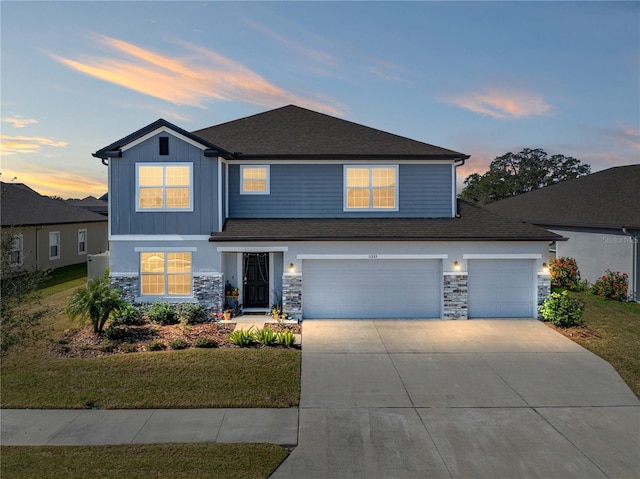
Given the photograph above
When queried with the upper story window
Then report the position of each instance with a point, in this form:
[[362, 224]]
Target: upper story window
[[82, 241], [164, 187], [17, 248], [370, 188], [165, 274], [254, 180], [54, 245]]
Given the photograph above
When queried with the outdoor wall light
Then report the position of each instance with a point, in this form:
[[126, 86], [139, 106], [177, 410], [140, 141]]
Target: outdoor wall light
[[456, 265], [545, 268], [292, 268]]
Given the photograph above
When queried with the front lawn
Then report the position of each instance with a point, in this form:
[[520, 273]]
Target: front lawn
[[142, 461], [613, 333]]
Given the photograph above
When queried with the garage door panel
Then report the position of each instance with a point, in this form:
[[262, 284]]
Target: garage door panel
[[371, 289]]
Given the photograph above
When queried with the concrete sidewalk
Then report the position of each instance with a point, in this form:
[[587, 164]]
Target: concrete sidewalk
[[146, 426]]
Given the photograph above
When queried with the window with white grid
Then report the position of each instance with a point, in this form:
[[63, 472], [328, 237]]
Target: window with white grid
[[370, 188], [164, 187], [254, 180], [165, 273]]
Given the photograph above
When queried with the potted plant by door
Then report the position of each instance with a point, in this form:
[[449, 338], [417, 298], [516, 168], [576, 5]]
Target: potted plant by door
[[226, 314]]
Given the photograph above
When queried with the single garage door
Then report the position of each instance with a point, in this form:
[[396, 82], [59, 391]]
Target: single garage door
[[371, 289], [501, 288]]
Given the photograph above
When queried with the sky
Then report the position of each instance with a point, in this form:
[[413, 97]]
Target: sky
[[481, 78]]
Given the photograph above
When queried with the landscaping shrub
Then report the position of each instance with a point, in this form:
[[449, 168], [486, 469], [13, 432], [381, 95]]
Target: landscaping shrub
[[107, 346], [613, 286], [192, 313], [266, 336], [128, 315], [242, 338], [286, 339], [156, 346], [565, 273], [178, 344], [205, 342], [96, 301], [116, 333], [162, 313], [562, 310], [129, 347]]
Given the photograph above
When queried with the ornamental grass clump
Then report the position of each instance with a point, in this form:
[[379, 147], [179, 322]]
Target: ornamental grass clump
[[562, 310], [565, 273], [612, 286], [242, 338]]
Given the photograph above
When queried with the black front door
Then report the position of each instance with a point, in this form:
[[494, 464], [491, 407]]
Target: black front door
[[256, 280]]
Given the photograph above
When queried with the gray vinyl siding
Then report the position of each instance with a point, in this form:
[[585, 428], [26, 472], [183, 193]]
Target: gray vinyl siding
[[316, 191], [122, 191]]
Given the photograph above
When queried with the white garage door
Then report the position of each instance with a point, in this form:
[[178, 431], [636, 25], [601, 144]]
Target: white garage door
[[371, 289], [501, 288]]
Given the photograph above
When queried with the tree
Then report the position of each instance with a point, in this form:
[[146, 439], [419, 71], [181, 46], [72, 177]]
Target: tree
[[516, 173], [95, 301], [20, 311]]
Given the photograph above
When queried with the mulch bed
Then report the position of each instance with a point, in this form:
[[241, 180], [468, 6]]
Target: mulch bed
[[84, 343], [575, 332]]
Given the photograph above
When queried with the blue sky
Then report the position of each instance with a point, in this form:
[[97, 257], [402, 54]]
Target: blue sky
[[483, 78]]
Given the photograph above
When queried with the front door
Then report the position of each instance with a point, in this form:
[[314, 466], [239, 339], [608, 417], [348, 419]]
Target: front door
[[256, 280]]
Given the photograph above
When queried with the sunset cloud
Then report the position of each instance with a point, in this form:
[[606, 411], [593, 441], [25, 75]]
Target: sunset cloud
[[19, 121], [200, 76], [502, 104], [11, 145], [628, 135], [54, 182]]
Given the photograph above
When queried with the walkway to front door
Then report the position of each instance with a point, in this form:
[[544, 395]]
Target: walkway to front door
[[256, 280]]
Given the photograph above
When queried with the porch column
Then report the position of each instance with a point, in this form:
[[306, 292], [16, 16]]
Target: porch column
[[455, 295], [544, 289], [292, 295]]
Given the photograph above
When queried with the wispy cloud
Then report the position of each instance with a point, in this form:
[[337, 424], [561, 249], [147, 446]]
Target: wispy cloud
[[202, 75], [55, 182], [18, 121], [629, 135], [388, 71], [11, 145], [502, 104]]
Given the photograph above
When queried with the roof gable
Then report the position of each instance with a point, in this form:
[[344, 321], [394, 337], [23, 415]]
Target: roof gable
[[292, 131], [606, 199], [22, 206]]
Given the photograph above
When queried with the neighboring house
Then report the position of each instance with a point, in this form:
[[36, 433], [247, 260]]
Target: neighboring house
[[332, 218], [92, 204], [598, 213], [50, 233]]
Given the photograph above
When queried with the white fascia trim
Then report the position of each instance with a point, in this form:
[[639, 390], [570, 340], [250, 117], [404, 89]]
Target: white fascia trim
[[454, 273], [132, 274], [348, 161], [502, 256], [252, 249], [163, 129], [291, 274], [372, 256], [207, 274], [219, 195], [162, 249], [540, 273], [454, 197], [159, 238]]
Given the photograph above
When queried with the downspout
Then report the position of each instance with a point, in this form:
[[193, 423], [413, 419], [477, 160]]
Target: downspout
[[455, 181], [634, 262]]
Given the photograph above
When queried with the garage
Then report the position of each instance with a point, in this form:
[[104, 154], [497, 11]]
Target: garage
[[374, 288], [501, 288]]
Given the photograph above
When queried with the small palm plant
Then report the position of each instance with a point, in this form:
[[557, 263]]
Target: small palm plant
[[97, 301]]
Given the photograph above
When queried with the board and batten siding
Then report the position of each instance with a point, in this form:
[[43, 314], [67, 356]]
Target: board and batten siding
[[316, 191], [122, 188]]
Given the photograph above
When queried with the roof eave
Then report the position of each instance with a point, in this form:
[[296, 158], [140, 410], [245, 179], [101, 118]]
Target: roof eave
[[261, 156], [219, 239]]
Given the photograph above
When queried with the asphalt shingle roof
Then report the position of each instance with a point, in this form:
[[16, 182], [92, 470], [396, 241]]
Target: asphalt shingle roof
[[474, 224], [606, 199], [296, 131], [22, 206]]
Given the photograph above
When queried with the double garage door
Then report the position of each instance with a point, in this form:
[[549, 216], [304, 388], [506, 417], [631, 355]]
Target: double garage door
[[372, 289]]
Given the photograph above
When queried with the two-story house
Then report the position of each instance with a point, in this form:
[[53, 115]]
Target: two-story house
[[332, 218]]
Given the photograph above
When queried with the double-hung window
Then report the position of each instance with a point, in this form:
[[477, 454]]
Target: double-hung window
[[254, 180], [371, 188], [82, 241], [54, 245], [164, 187], [165, 273], [17, 248]]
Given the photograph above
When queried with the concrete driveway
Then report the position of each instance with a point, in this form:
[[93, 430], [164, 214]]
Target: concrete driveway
[[470, 399]]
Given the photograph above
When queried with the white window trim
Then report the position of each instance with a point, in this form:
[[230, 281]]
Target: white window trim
[[268, 187], [86, 238], [164, 209], [166, 295], [371, 209], [56, 233], [19, 238]]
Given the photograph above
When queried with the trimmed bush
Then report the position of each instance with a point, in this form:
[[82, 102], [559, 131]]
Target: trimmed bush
[[192, 313], [178, 344], [564, 273], [116, 333], [613, 286], [156, 346], [129, 347], [128, 315], [205, 342], [162, 314], [562, 310]]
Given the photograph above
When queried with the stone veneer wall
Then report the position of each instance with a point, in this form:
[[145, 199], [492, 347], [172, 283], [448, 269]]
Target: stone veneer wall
[[455, 296], [292, 295], [128, 286], [208, 289], [544, 289]]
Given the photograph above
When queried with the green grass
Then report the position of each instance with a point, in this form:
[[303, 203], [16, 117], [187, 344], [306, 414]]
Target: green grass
[[64, 278], [142, 461], [618, 327], [193, 378]]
